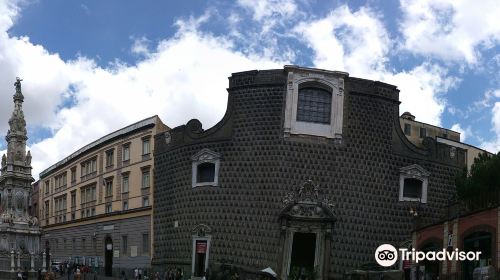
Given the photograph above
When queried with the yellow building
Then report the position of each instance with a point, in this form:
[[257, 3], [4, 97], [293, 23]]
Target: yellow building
[[416, 131], [96, 204]]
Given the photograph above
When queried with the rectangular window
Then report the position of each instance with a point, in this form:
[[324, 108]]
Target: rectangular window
[[92, 211], [407, 129], [145, 178], [73, 216], [73, 174], [73, 199], [47, 187], [126, 152], [125, 183], [110, 158], [423, 132], [88, 194], [145, 147], [145, 201], [109, 208], [125, 205], [145, 243], [89, 167], [60, 181], [60, 206], [109, 187], [47, 204], [124, 244]]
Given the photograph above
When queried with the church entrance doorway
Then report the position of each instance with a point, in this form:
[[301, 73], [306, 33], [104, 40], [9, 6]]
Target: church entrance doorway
[[303, 253]]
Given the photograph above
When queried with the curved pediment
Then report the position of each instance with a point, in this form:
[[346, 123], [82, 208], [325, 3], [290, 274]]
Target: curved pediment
[[201, 230]]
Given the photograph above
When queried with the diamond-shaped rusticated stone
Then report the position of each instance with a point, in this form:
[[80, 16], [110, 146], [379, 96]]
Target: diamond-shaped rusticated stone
[[259, 167]]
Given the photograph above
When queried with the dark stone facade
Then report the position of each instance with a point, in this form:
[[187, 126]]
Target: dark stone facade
[[259, 166]]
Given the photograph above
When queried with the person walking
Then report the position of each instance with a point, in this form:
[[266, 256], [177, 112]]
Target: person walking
[[77, 273], [25, 273]]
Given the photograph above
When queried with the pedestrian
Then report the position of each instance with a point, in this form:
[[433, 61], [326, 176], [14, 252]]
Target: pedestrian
[[25, 273], [136, 273], [124, 277], [77, 273], [39, 274], [178, 274]]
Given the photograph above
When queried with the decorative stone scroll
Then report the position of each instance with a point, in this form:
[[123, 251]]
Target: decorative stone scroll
[[201, 230], [307, 203]]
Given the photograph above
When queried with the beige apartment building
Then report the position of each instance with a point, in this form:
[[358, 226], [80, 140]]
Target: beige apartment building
[[416, 132], [96, 204]]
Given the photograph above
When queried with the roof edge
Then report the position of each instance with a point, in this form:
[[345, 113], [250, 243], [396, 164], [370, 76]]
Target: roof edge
[[105, 139]]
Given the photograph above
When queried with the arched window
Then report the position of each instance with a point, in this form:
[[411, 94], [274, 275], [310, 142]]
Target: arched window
[[314, 105]]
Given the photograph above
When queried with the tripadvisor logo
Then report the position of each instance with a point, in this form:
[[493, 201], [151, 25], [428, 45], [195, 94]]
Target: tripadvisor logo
[[387, 255]]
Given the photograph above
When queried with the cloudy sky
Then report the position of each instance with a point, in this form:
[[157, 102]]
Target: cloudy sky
[[91, 67]]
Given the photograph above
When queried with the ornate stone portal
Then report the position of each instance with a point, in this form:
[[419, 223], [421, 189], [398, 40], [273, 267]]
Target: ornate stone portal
[[307, 220], [19, 232]]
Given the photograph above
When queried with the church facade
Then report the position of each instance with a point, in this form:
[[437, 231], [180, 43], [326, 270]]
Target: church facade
[[19, 231], [309, 171]]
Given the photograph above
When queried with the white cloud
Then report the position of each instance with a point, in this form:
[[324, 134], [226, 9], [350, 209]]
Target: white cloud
[[344, 40], [358, 42], [140, 46], [185, 76], [487, 100], [494, 145], [262, 9], [182, 79], [450, 29], [464, 133]]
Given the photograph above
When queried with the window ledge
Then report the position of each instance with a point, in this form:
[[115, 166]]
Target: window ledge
[[205, 184], [412, 199]]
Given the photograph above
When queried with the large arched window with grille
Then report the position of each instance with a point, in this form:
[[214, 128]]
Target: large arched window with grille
[[314, 105]]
